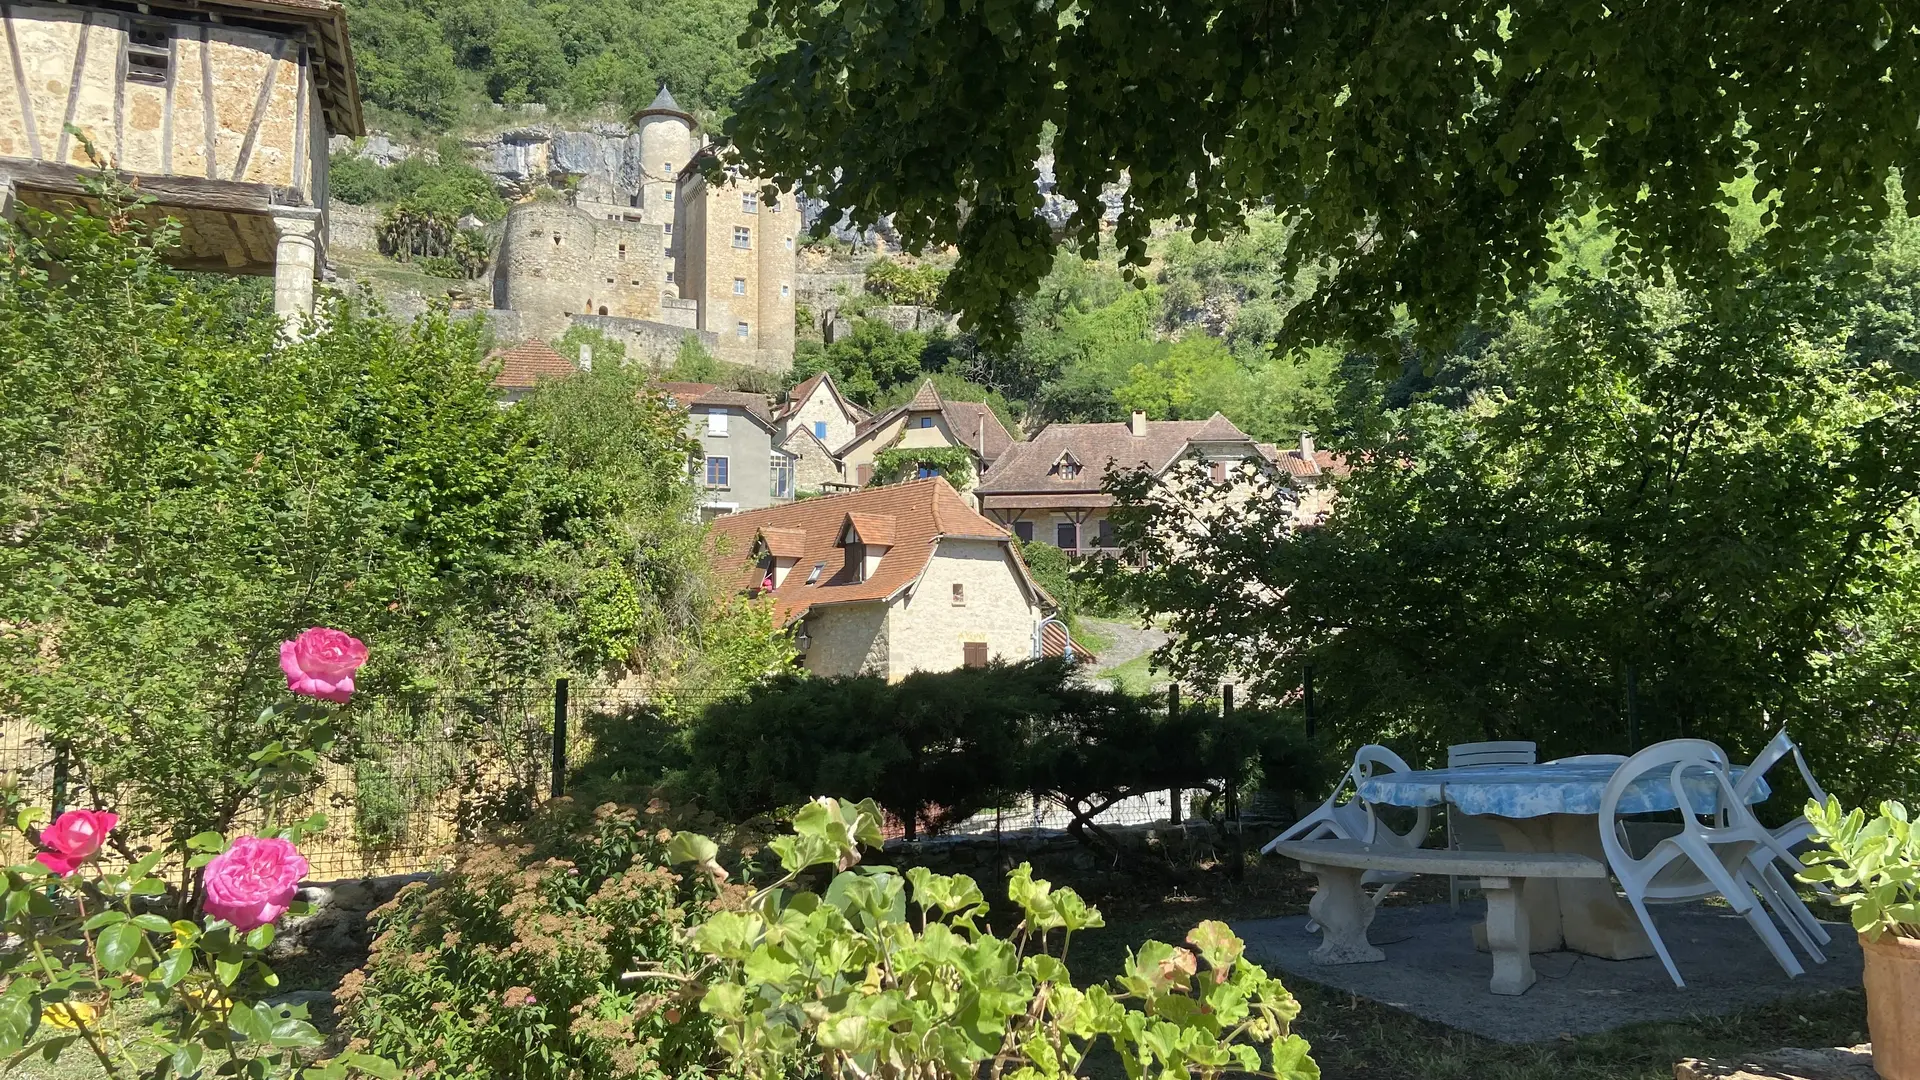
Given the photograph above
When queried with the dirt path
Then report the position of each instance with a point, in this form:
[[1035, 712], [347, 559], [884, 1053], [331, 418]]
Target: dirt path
[[1127, 640]]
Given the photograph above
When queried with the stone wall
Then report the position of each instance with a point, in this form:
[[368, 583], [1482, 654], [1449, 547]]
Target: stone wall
[[647, 341], [846, 639], [929, 632], [353, 228]]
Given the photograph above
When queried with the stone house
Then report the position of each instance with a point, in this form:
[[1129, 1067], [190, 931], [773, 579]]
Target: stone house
[[220, 108], [1049, 488], [889, 580], [526, 366], [813, 421], [928, 420], [738, 464]]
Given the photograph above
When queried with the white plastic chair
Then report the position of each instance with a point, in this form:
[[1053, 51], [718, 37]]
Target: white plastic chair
[[1591, 759], [1465, 833], [1709, 856], [1768, 860], [1355, 820], [1352, 819]]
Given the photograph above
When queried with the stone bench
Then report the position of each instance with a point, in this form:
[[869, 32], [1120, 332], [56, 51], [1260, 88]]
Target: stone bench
[[1344, 910]]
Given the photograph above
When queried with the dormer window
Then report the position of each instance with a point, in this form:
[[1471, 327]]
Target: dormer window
[[866, 538], [1067, 468]]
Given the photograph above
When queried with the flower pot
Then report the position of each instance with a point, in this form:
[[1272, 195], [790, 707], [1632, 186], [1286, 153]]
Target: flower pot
[[1893, 1005]]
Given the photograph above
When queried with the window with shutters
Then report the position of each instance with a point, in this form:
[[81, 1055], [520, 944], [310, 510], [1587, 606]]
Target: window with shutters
[[1066, 535], [959, 595], [716, 423], [1023, 530], [973, 653]]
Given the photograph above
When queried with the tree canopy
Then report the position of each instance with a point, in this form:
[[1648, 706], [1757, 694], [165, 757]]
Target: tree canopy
[[1423, 152]]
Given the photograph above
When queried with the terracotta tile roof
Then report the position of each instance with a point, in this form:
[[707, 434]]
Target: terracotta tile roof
[[524, 365], [974, 423], [921, 511], [798, 397], [1027, 468], [694, 393], [875, 529], [784, 543], [1296, 464]]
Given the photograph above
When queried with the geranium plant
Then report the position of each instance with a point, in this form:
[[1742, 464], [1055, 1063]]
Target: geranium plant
[[92, 941], [884, 976], [1871, 864]]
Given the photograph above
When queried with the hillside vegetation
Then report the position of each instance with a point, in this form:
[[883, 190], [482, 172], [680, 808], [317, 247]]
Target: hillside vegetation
[[429, 65]]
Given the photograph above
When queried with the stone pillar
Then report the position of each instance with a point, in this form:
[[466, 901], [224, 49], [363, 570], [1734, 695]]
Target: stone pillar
[[9, 203], [296, 256]]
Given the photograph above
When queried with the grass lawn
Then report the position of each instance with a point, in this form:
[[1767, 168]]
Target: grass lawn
[[1356, 1039]]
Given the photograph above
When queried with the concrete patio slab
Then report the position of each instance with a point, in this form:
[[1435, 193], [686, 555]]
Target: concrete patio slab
[[1433, 972]]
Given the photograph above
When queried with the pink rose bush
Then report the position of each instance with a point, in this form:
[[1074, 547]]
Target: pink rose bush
[[73, 838], [253, 882], [320, 663]]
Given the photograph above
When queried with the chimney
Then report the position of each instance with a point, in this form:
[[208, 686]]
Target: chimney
[[1139, 424], [1306, 446], [586, 357]]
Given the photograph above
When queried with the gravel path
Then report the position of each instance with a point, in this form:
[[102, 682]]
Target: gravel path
[[1126, 638]]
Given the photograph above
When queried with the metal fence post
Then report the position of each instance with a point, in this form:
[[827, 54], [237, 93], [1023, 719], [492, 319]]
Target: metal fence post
[[1633, 709], [1173, 714], [559, 737], [1237, 841], [59, 778]]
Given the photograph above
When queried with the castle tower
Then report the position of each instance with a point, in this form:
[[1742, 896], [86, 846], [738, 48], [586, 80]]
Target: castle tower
[[556, 261], [667, 142], [735, 255]]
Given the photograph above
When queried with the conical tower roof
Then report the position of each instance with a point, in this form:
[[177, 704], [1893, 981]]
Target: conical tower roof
[[663, 103]]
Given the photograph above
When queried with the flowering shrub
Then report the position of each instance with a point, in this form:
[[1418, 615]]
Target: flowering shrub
[[90, 946], [847, 978], [510, 964], [89, 940]]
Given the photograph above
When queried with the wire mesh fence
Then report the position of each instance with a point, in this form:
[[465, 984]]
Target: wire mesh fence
[[418, 776]]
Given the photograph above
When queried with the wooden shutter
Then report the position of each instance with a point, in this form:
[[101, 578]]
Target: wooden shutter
[[862, 474], [974, 654]]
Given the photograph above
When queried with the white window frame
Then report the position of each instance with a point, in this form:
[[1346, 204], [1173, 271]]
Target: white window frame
[[739, 286], [742, 330], [717, 424], [743, 237]]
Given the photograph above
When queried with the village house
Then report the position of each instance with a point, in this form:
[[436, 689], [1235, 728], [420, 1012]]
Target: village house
[[221, 109], [1049, 488], [890, 580], [814, 421], [928, 421], [738, 464]]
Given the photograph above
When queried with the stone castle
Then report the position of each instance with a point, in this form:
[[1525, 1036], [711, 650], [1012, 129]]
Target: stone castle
[[653, 253]]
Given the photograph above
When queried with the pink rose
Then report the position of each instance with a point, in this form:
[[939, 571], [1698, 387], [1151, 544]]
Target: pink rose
[[252, 883], [320, 663], [73, 837]]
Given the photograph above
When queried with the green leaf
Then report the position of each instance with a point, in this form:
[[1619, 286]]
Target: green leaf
[[253, 1023], [152, 923], [207, 842], [227, 971], [117, 945], [691, 847], [175, 967], [104, 918], [186, 1060], [374, 1066]]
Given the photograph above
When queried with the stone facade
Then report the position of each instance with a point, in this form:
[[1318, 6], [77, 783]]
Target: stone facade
[[849, 639], [928, 631], [735, 253], [222, 110], [654, 341], [557, 260]]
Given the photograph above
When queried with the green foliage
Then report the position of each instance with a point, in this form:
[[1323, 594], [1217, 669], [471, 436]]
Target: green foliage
[[872, 358], [434, 61], [186, 488], [940, 997], [606, 350], [932, 748], [1874, 866], [1077, 594], [897, 283], [95, 967], [1432, 184], [1706, 492], [442, 186], [901, 463], [510, 963]]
